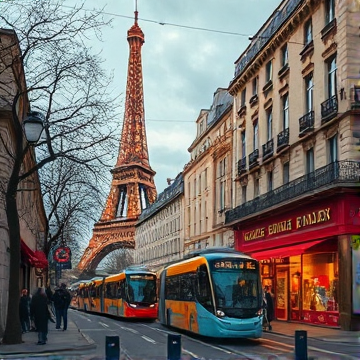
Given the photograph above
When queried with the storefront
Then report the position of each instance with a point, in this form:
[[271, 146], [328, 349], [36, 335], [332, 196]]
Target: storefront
[[306, 259]]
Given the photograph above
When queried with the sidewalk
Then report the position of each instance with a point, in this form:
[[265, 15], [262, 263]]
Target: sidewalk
[[69, 342], [316, 332], [73, 343]]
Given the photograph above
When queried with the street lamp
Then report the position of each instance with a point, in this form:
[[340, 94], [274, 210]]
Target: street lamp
[[33, 126]]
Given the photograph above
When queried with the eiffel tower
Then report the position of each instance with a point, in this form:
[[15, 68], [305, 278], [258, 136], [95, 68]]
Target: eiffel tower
[[132, 187]]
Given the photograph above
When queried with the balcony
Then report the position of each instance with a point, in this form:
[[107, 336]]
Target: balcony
[[242, 166], [282, 139], [253, 158], [329, 109], [268, 149], [333, 175], [306, 123]]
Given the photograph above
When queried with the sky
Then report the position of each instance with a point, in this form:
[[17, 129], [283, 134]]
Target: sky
[[189, 52]]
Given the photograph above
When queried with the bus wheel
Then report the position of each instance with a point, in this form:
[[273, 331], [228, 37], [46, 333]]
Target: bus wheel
[[168, 314]]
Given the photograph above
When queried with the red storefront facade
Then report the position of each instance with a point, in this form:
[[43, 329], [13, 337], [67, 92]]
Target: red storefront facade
[[305, 249]]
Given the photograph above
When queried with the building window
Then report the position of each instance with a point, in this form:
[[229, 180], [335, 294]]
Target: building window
[[270, 180], [243, 97], [285, 101], [200, 185], [308, 37], [333, 149], [201, 127], [286, 173], [268, 71], [256, 135], [330, 11], [255, 85], [284, 55], [221, 183], [206, 178], [194, 190], [256, 187], [243, 194], [269, 124], [243, 144], [309, 83], [331, 68], [310, 166]]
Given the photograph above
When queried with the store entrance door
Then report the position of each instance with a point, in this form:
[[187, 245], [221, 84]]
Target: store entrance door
[[281, 293]]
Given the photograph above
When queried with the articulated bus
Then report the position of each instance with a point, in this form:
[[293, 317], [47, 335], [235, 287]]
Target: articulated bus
[[130, 293], [214, 293]]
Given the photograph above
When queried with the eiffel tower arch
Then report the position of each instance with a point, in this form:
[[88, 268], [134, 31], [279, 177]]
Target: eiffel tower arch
[[132, 187]]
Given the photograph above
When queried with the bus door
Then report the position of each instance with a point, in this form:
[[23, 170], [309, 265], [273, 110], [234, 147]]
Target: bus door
[[281, 292]]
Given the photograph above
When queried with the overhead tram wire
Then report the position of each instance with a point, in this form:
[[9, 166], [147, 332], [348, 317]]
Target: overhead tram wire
[[165, 23]]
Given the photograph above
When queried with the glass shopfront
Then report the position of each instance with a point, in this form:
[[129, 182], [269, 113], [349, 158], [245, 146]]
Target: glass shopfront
[[305, 286]]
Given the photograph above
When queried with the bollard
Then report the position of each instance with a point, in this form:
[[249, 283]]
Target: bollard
[[301, 345], [112, 350], [174, 347]]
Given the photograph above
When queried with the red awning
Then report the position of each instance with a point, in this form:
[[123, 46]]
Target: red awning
[[285, 251], [35, 258]]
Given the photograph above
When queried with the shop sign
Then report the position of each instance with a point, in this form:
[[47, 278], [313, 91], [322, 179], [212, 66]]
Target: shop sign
[[287, 225]]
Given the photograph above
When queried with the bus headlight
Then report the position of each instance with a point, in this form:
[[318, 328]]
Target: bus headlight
[[133, 305], [220, 313], [152, 305]]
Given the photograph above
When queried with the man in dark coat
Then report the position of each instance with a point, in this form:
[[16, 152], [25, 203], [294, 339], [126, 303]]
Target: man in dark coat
[[24, 307], [61, 299], [39, 312], [269, 305]]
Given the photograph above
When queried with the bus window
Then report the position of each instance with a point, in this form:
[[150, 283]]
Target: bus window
[[203, 292]]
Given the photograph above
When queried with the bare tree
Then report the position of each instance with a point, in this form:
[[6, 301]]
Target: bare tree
[[117, 260], [66, 83]]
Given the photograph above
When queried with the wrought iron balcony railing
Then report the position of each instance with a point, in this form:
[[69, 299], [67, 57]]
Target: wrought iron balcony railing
[[306, 123], [283, 139], [242, 166], [253, 158], [339, 172], [329, 109], [268, 149]]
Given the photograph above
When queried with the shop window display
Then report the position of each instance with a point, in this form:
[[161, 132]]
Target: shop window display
[[320, 282]]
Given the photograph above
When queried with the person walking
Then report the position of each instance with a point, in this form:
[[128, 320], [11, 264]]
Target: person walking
[[39, 311], [24, 311], [269, 305], [61, 299]]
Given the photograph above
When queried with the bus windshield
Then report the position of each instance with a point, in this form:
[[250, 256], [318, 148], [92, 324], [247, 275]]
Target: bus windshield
[[142, 288], [236, 285]]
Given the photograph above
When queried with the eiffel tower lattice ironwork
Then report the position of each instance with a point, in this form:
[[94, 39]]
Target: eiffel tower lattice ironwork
[[132, 186]]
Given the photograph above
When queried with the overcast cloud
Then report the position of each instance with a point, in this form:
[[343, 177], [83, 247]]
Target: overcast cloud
[[182, 67]]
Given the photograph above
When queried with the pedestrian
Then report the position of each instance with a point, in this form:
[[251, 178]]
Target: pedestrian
[[39, 311], [61, 299], [269, 305], [24, 311], [49, 295]]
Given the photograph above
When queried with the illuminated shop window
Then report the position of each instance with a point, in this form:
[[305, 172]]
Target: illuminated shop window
[[320, 282]]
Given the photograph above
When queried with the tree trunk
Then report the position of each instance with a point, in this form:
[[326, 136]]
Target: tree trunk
[[12, 333]]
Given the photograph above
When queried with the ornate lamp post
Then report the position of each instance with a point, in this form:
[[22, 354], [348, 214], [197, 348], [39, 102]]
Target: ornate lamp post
[[33, 126]]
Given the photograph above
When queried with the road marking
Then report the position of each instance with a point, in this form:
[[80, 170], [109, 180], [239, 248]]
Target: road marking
[[103, 324], [128, 329], [148, 339]]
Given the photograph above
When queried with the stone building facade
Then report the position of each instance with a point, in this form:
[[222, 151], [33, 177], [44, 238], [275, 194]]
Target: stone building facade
[[296, 92], [159, 233], [207, 177]]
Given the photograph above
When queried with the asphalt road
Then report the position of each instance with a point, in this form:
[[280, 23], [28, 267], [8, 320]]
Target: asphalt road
[[140, 340]]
